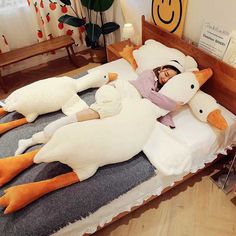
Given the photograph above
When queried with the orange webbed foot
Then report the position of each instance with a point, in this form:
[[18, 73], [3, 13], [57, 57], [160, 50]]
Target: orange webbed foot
[[12, 166], [17, 197], [20, 196]]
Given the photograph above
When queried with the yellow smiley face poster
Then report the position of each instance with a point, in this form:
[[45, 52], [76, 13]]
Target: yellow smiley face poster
[[169, 14]]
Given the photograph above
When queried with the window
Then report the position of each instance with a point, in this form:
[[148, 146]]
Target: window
[[12, 3]]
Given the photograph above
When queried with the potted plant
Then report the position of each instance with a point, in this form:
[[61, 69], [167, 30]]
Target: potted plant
[[95, 12]]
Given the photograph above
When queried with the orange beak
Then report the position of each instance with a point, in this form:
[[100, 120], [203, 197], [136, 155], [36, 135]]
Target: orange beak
[[203, 75], [112, 76], [217, 120]]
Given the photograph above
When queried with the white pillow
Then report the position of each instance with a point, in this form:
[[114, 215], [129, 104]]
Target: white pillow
[[153, 54], [190, 64]]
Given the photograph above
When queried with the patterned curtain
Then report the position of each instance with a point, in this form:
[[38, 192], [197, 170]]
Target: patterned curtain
[[26, 22], [46, 14], [32, 21]]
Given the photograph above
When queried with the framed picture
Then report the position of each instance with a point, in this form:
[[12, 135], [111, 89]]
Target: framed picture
[[214, 39], [170, 15], [230, 54]]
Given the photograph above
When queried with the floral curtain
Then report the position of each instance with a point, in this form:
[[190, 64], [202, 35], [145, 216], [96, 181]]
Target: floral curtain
[[46, 14], [32, 21], [26, 22]]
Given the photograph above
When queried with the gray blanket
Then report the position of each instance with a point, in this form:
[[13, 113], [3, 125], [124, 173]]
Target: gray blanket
[[70, 204]]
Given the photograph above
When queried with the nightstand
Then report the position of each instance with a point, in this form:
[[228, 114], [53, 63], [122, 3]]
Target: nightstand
[[114, 49]]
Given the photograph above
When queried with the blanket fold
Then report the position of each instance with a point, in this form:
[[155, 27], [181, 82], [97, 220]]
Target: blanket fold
[[167, 153]]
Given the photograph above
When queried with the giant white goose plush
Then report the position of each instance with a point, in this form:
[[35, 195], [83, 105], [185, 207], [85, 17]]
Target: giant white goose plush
[[86, 146], [51, 95]]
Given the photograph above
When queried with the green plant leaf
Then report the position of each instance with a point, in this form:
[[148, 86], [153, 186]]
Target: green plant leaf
[[97, 5], [102, 5], [93, 32], [88, 4], [72, 20], [109, 27], [66, 2]]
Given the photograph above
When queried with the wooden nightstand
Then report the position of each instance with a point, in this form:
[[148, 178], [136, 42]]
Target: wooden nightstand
[[114, 49]]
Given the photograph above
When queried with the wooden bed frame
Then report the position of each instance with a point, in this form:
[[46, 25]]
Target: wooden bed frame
[[222, 86]]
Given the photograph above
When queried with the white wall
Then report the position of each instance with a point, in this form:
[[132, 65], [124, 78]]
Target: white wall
[[221, 12]]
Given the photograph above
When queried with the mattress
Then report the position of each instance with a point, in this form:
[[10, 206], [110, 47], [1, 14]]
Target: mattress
[[144, 180]]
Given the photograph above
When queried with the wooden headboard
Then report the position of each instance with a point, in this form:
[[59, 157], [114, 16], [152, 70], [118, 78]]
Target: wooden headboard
[[222, 86]]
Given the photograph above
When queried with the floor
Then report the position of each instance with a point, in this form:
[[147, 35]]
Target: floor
[[196, 207]]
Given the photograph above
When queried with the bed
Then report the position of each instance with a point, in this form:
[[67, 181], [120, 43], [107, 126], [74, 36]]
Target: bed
[[133, 183]]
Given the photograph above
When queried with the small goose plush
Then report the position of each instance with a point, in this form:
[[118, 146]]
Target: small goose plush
[[49, 95]]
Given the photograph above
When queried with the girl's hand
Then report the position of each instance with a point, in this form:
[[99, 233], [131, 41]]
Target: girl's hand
[[179, 104]]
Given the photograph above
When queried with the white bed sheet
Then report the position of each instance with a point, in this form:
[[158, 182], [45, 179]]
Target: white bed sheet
[[186, 148], [204, 141]]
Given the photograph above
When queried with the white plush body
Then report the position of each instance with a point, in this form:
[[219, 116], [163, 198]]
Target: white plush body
[[41, 97], [85, 146], [53, 94]]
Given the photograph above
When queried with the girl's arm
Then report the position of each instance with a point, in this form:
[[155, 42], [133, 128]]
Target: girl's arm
[[162, 101]]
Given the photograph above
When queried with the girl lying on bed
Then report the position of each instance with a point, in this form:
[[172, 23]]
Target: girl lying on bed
[[86, 146], [108, 101]]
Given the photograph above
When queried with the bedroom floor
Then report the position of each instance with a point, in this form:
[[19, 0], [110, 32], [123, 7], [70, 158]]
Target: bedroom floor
[[196, 207]]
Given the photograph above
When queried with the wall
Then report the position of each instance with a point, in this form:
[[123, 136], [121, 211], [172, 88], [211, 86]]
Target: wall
[[220, 12]]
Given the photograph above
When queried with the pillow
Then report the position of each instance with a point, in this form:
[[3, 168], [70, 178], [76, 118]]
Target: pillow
[[153, 54], [127, 54], [190, 64], [206, 109]]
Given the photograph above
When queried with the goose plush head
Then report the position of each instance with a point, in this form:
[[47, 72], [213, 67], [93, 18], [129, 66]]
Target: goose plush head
[[206, 109], [94, 79], [184, 86]]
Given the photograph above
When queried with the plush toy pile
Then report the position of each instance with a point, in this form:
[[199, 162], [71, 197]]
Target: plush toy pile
[[86, 146]]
